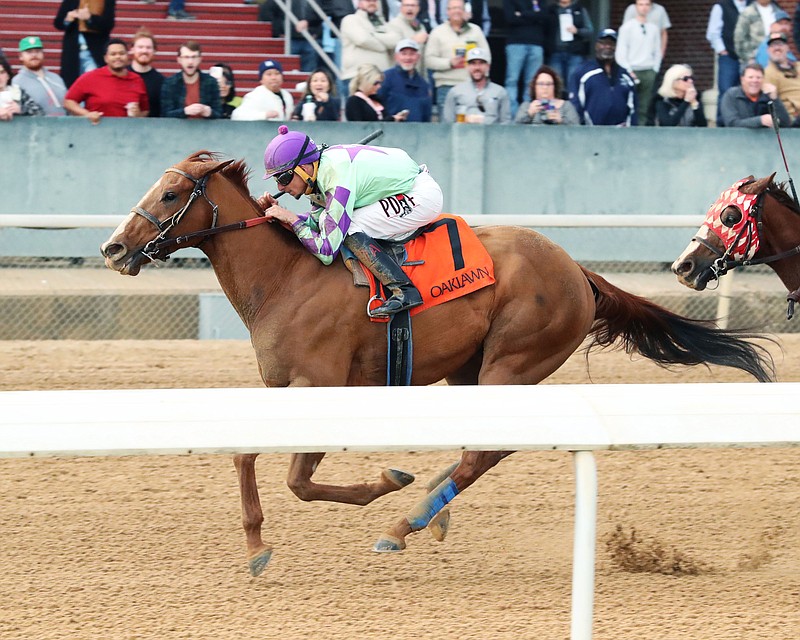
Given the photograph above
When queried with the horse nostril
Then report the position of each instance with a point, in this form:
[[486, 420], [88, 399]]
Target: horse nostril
[[682, 268], [112, 249]]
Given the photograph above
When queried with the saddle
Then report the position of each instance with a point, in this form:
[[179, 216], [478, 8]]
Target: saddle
[[445, 260]]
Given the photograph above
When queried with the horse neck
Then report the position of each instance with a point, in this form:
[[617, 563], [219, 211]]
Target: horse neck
[[782, 233], [255, 264]]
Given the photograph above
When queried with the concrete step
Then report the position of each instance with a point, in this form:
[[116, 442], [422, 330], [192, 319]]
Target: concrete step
[[187, 28], [9, 38], [142, 11]]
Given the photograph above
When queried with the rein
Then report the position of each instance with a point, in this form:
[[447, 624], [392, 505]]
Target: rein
[[160, 247]]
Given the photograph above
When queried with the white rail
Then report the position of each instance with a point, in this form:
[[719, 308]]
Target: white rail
[[576, 418], [69, 221]]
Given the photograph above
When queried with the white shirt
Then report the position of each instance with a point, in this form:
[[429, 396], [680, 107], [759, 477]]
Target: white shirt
[[658, 15], [767, 15], [639, 46], [260, 100]]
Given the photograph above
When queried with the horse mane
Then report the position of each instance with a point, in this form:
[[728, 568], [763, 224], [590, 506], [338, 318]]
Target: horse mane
[[779, 192], [237, 172]]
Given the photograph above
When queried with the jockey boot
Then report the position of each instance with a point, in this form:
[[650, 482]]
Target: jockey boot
[[404, 294]]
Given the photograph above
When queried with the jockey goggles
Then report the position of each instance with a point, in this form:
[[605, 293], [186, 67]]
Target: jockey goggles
[[285, 177]]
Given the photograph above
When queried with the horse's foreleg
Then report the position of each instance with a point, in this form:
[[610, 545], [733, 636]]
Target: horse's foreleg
[[258, 554], [472, 466], [303, 466]]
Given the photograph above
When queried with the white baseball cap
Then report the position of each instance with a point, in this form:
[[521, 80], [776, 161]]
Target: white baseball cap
[[406, 43], [476, 53]]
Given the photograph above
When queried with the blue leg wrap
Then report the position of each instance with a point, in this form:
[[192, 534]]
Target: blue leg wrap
[[421, 515]]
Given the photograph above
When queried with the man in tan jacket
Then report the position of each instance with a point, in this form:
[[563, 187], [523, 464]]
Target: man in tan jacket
[[407, 26], [366, 40], [445, 53], [784, 74]]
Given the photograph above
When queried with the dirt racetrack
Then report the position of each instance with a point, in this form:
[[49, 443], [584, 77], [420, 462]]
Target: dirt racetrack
[[700, 545]]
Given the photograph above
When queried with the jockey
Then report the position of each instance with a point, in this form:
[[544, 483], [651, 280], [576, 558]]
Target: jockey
[[358, 193]]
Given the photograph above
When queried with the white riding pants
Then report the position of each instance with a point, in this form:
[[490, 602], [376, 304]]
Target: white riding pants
[[396, 217]]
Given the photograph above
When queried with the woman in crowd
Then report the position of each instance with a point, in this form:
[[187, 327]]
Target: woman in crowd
[[227, 89], [13, 100], [547, 105], [363, 105], [678, 103], [321, 93]]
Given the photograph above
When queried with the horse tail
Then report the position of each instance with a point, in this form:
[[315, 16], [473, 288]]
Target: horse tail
[[667, 338]]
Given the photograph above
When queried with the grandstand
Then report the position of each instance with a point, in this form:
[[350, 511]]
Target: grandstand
[[227, 32]]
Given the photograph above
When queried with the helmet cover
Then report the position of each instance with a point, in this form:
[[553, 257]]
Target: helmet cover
[[287, 150]]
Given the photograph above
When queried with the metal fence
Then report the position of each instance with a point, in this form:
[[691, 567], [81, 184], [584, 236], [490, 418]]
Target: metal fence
[[63, 294]]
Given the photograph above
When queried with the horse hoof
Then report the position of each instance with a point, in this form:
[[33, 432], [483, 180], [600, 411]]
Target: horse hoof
[[258, 563], [389, 544], [398, 478], [439, 525]]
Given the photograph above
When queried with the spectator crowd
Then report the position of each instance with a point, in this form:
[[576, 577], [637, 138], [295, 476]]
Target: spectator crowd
[[423, 61]]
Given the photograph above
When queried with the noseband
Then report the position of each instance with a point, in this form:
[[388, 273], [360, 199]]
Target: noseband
[[156, 249]]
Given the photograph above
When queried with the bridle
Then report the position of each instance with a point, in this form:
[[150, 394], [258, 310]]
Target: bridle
[[160, 247], [156, 249], [753, 229]]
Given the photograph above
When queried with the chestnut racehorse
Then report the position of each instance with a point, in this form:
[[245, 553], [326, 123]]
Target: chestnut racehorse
[[308, 325], [753, 222]]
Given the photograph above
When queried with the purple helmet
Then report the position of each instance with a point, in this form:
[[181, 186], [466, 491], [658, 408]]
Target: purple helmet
[[287, 150]]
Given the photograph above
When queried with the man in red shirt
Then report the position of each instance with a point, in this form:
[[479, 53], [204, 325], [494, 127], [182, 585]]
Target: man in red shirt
[[112, 91]]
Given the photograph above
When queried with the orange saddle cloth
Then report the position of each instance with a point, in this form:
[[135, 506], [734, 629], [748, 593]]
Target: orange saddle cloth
[[447, 261]]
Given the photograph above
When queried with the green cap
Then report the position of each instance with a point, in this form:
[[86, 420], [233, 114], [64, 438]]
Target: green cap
[[30, 42]]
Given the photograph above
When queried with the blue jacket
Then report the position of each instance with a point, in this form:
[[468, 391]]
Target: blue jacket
[[400, 91], [601, 99]]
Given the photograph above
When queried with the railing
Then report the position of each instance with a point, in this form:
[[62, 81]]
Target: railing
[[291, 19], [576, 418]]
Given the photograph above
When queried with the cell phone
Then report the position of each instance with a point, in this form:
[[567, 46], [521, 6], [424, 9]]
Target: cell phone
[[215, 72], [404, 113]]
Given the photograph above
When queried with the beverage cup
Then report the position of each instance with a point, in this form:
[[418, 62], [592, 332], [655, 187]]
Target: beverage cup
[[308, 111], [461, 114], [130, 108]]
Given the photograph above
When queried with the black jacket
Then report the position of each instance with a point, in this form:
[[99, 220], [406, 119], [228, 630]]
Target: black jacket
[[96, 39], [581, 44], [530, 26], [271, 12]]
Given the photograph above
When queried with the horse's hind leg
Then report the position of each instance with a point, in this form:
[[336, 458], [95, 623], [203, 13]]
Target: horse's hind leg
[[472, 466], [258, 554], [440, 523], [303, 466]]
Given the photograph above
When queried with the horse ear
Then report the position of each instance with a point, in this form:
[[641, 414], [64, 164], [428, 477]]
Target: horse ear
[[753, 186], [214, 167]]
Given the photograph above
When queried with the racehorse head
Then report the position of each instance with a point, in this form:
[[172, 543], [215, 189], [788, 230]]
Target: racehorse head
[[176, 205], [731, 234]]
